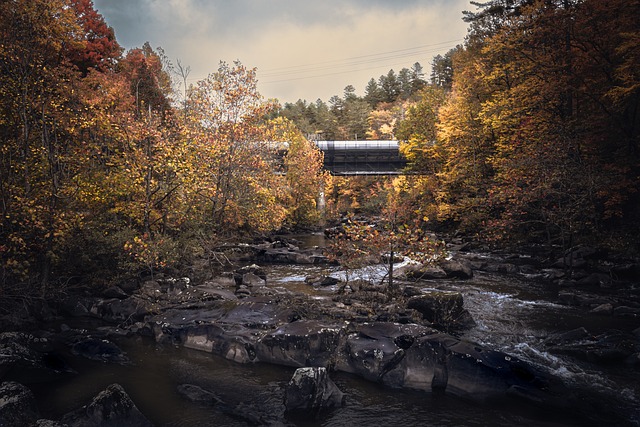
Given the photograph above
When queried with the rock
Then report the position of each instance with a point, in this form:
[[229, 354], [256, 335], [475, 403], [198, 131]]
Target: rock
[[502, 267], [198, 395], [595, 280], [420, 272], [110, 408], [251, 280], [321, 281], [624, 311], [49, 423], [443, 309], [576, 257], [243, 291], [312, 392], [301, 343], [629, 271], [604, 309], [456, 269], [610, 347], [421, 358], [574, 335], [29, 359], [253, 269], [115, 292], [101, 350], [129, 310], [17, 405], [174, 285]]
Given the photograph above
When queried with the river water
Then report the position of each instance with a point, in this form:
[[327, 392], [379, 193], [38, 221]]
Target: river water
[[513, 314]]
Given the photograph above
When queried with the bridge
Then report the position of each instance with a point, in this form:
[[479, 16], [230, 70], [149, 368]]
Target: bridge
[[362, 157]]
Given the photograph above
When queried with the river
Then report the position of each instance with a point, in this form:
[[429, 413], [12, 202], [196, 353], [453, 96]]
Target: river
[[513, 314]]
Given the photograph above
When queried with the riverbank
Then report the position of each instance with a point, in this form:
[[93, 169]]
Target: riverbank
[[244, 319]]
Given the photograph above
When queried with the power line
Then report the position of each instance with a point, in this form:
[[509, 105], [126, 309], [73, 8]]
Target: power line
[[347, 67], [348, 64], [411, 51]]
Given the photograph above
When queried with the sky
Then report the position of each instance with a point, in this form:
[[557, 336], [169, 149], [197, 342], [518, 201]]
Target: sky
[[302, 49]]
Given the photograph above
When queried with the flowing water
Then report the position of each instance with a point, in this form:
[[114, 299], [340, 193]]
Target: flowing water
[[513, 314]]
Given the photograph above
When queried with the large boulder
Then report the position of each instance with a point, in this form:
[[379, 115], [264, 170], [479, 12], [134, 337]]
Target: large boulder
[[112, 407], [311, 392], [610, 347], [301, 343], [444, 310], [456, 269], [27, 359], [17, 405], [99, 349]]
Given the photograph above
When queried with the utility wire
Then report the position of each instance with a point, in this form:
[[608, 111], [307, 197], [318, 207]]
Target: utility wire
[[352, 64]]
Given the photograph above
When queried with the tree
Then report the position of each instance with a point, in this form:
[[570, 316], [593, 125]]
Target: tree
[[99, 49], [360, 245], [304, 175], [390, 86], [36, 129], [442, 69], [234, 170], [373, 94]]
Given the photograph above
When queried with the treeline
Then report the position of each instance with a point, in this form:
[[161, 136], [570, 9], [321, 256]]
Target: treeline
[[534, 134], [528, 132], [105, 169], [353, 117]]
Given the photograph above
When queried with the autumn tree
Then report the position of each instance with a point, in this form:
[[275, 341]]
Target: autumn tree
[[305, 179], [234, 157], [36, 128], [99, 49]]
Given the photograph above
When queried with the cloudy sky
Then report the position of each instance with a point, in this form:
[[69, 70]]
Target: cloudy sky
[[303, 49]]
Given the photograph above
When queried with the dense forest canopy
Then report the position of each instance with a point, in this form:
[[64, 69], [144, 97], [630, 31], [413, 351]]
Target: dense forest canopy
[[526, 132], [104, 170]]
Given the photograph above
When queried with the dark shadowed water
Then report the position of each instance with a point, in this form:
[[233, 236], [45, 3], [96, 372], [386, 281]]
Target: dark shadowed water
[[513, 314]]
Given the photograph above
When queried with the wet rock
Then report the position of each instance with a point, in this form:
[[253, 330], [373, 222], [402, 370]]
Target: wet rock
[[260, 314], [249, 269], [420, 272], [610, 347], [251, 280], [27, 359], [99, 349], [110, 408], [243, 291], [625, 311], [127, 311], [574, 335], [628, 271], [502, 267], [422, 358], [321, 281], [198, 395], [312, 392], [375, 349], [456, 269], [301, 343], [577, 257], [595, 280], [604, 309], [442, 309], [17, 405], [49, 423]]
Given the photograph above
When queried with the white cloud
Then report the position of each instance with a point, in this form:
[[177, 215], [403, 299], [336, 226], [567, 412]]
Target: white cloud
[[302, 49]]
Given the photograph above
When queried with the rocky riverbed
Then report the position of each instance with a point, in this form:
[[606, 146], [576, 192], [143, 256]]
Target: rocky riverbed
[[416, 341]]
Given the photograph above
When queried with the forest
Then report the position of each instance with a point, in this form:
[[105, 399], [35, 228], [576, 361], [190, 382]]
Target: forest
[[110, 164]]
